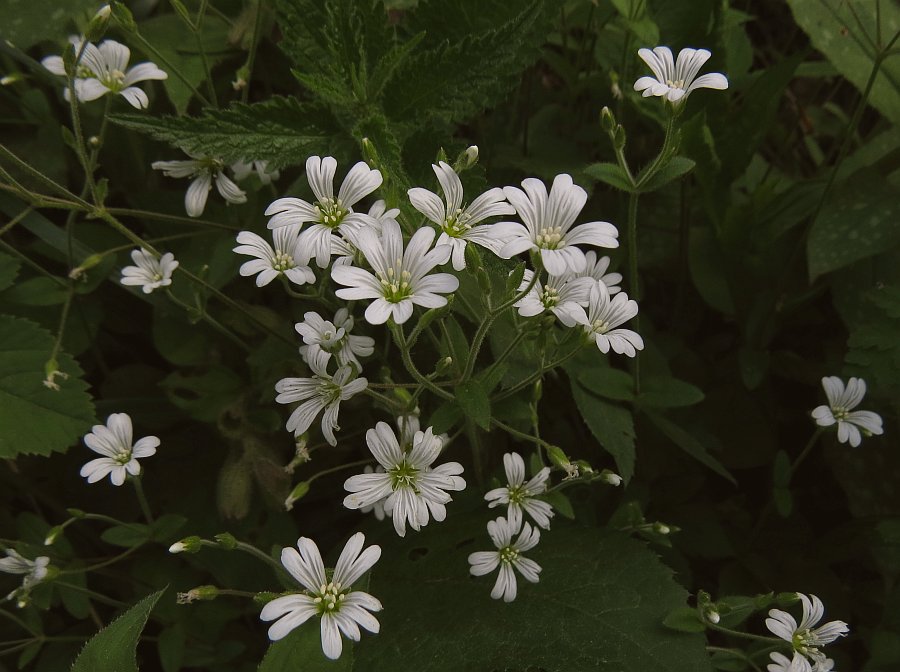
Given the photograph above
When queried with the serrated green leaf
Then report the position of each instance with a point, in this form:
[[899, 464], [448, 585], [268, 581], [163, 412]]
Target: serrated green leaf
[[611, 425], [611, 174], [282, 131], [9, 269], [473, 400], [688, 444], [35, 420], [113, 648]]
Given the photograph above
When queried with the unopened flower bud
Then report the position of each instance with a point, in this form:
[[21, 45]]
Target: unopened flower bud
[[52, 535], [240, 78], [297, 493], [661, 528], [85, 265], [443, 365], [187, 545], [471, 156], [370, 154], [558, 457], [607, 120], [98, 25], [198, 593], [11, 79], [610, 478], [619, 138], [123, 15], [711, 614], [226, 540]]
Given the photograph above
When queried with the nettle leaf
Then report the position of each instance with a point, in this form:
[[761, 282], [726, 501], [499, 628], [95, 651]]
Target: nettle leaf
[[612, 425], [113, 648], [861, 220], [455, 79], [35, 419], [282, 131], [833, 30], [599, 605]]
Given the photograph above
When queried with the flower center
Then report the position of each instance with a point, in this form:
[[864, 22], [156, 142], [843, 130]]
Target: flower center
[[404, 475], [83, 72], [550, 239], [840, 413], [517, 494], [282, 261], [115, 80], [331, 212], [330, 597], [457, 224], [600, 326], [395, 283], [550, 297], [123, 456], [508, 554], [804, 641], [675, 84], [328, 391]]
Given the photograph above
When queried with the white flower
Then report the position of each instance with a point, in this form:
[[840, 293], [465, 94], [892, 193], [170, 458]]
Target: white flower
[[548, 225], [674, 80], [401, 277], [285, 259], [150, 273], [457, 222], [841, 403], [507, 556], [379, 213], [519, 496], [376, 508], [805, 639], [323, 338], [596, 268], [563, 295], [203, 170], [823, 665], [242, 171], [321, 392], [120, 457], [781, 663], [34, 572], [328, 214], [410, 487], [103, 70], [605, 314], [341, 609]]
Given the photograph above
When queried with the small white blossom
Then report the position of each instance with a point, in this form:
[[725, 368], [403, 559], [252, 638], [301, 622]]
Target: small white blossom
[[411, 490], [548, 221], [806, 639], [340, 608], [841, 403], [285, 259], [203, 171], [376, 508], [242, 170], [781, 663], [322, 338], [674, 80], [507, 556], [321, 392], [120, 457], [563, 295], [150, 273], [379, 212], [33, 571], [401, 278], [519, 496], [328, 214], [596, 268], [103, 70], [458, 223], [605, 314]]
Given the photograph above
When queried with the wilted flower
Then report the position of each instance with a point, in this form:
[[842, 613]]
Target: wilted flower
[[674, 80], [841, 403], [150, 273], [203, 170], [120, 457]]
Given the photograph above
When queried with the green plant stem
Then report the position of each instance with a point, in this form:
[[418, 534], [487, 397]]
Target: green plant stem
[[142, 499], [384, 399], [667, 148], [633, 282], [15, 220], [807, 449], [349, 465], [210, 320], [101, 565], [43, 178], [99, 597], [63, 319], [18, 621], [537, 375], [36, 266], [163, 217], [254, 45], [521, 435], [737, 652], [738, 633], [198, 37], [507, 351], [403, 346], [250, 549], [80, 146]]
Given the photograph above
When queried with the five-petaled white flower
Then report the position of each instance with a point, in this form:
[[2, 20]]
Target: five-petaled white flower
[[328, 214], [605, 314], [781, 663], [321, 392], [34, 572], [674, 80], [519, 496], [377, 509], [507, 556], [805, 639], [120, 457], [841, 403], [340, 608], [150, 273], [285, 259], [563, 295], [103, 70], [322, 338], [458, 223], [401, 277], [409, 487], [203, 170], [548, 221], [596, 268], [242, 170]]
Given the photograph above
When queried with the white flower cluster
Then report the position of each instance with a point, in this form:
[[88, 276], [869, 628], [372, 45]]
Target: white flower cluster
[[804, 638], [32, 571]]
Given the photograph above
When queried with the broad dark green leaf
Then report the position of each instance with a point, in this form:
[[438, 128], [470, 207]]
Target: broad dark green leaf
[[28, 22], [36, 420], [611, 425], [302, 651]]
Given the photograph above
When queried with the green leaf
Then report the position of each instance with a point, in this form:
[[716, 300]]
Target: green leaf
[[688, 444], [610, 591], [861, 220], [560, 502], [611, 425], [167, 526], [473, 400], [666, 392], [684, 619], [834, 31], [445, 417], [28, 22], [9, 269], [39, 291], [677, 166], [458, 344], [611, 174], [127, 536], [636, 17], [282, 131], [604, 381], [203, 396], [113, 648], [305, 644], [35, 419]]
